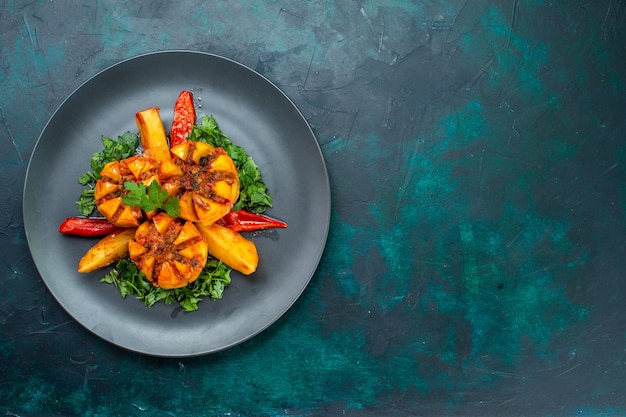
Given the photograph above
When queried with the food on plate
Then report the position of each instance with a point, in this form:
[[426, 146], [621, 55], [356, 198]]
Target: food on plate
[[170, 251], [184, 118], [173, 209], [110, 188], [83, 226], [239, 221], [209, 185], [110, 249], [245, 221], [231, 248]]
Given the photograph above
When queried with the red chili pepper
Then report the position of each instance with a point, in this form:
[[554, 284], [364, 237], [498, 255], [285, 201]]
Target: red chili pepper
[[184, 118], [239, 221], [245, 221], [84, 226]]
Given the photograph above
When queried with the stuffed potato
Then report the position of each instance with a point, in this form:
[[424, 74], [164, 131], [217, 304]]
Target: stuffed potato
[[170, 251]]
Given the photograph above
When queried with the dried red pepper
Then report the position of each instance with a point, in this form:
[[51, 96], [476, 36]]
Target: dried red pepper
[[239, 221], [184, 118], [85, 226], [245, 221]]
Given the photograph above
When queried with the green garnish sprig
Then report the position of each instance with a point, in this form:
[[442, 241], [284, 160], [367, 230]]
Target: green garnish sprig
[[150, 198]]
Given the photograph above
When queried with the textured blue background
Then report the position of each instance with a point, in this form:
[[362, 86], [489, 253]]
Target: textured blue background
[[476, 257]]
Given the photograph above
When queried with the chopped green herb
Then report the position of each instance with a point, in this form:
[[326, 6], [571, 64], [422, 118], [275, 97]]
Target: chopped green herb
[[129, 280], [86, 203], [151, 198]]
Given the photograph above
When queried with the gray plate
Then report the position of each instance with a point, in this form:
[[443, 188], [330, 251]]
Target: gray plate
[[255, 114]]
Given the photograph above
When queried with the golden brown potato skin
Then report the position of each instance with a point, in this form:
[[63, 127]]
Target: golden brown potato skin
[[231, 248], [154, 141], [108, 250]]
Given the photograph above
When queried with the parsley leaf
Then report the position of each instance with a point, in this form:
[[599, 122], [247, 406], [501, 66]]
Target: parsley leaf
[[86, 203], [151, 198], [253, 195], [129, 280]]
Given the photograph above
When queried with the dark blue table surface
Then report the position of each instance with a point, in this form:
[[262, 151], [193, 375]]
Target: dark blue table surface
[[476, 258]]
